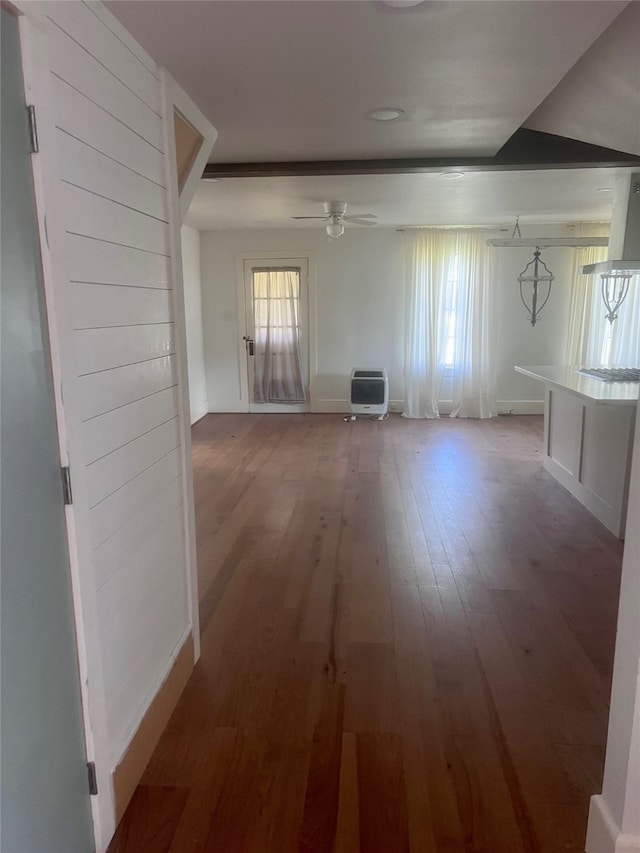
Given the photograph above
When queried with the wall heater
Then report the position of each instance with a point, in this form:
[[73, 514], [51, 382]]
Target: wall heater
[[369, 391]]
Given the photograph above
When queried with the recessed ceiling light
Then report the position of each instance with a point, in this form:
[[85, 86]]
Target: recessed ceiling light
[[402, 4], [452, 174], [386, 114], [605, 189]]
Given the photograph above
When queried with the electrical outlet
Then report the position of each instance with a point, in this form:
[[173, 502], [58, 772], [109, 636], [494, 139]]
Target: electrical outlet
[[393, 407]]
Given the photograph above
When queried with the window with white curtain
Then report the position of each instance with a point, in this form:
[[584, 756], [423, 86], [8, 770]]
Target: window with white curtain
[[449, 323]]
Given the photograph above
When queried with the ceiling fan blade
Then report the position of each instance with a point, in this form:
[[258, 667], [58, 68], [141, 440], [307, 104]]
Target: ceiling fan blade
[[362, 216], [359, 220], [307, 217]]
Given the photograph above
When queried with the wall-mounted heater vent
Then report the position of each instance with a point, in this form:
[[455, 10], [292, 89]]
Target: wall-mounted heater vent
[[369, 392]]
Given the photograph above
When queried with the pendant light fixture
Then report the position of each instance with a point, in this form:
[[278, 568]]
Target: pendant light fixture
[[614, 287], [624, 246], [533, 276], [536, 278]]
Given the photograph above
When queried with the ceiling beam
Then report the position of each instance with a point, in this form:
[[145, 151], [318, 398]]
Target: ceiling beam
[[526, 150]]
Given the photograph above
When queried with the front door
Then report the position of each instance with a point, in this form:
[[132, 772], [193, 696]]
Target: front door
[[43, 785], [277, 334]]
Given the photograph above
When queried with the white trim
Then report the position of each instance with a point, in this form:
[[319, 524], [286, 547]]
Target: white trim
[[172, 96], [520, 407], [516, 407], [310, 257], [179, 100], [219, 407], [603, 833]]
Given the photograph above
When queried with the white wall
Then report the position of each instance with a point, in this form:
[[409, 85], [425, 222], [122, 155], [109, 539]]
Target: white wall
[[360, 302], [193, 321]]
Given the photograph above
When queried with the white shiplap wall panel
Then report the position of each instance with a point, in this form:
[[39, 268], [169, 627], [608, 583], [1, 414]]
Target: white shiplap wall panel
[[99, 306], [89, 215], [127, 603], [109, 557], [110, 515], [88, 31], [122, 35], [131, 677], [110, 389], [114, 429], [110, 263], [78, 116], [108, 474], [88, 168], [135, 625], [104, 211], [76, 66], [106, 348], [138, 578]]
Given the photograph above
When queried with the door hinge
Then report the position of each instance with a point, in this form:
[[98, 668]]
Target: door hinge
[[66, 485], [33, 129], [93, 779]]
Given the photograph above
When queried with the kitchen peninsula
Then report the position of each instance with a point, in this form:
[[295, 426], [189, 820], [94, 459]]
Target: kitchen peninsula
[[588, 438]]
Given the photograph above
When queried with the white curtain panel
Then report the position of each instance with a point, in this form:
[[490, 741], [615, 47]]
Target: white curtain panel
[[586, 320], [278, 364], [449, 271]]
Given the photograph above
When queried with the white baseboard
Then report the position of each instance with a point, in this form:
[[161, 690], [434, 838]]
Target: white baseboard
[[521, 407], [603, 833], [199, 411], [330, 405], [327, 405], [221, 406]]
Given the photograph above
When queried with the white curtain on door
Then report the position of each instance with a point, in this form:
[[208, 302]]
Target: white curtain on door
[[449, 271], [278, 363]]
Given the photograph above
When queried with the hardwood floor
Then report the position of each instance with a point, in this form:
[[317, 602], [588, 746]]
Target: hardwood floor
[[407, 643]]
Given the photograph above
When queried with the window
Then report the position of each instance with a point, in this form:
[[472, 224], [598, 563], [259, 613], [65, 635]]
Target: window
[[276, 306], [278, 374], [450, 301]]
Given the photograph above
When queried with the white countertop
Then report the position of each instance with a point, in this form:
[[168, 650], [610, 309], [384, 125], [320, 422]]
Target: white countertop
[[568, 379]]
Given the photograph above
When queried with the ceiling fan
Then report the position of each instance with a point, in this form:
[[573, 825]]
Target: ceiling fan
[[335, 217]]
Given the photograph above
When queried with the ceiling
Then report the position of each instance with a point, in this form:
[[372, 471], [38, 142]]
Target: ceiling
[[294, 81], [397, 200]]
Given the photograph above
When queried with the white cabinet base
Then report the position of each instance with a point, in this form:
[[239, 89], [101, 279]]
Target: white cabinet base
[[588, 450]]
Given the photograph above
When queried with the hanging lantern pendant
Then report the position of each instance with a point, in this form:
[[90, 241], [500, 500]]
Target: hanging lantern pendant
[[535, 280], [614, 288]]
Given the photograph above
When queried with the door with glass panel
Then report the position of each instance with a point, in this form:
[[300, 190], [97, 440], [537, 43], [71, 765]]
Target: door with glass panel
[[276, 339]]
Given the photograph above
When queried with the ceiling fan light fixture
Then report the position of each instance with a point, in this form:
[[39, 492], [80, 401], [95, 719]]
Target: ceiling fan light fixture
[[386, 114], [335, 228]]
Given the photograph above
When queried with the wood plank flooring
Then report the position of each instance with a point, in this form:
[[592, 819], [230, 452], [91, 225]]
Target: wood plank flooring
[[407, 643]]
